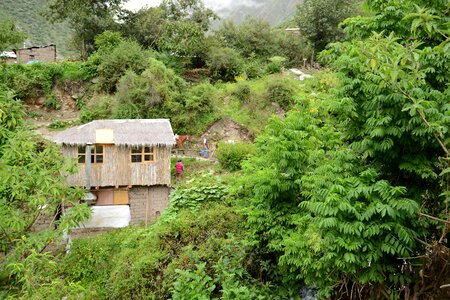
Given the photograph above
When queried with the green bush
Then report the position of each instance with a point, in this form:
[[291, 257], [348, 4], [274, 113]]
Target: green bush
[[295, 49], [197, 106], [253, 68], [195, 194], [90, 262], [51, 102], [230, 156], [242, 92], [224, 63], [281, 91], [38, 79], [98, 108], [60, 124], [112, 65], [156, 93], [195, 284], [276, 64]]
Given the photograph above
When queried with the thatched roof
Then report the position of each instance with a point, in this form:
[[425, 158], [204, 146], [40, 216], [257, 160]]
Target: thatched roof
[[145, 132]]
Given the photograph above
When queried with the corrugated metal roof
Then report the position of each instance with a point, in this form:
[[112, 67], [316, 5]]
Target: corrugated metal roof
[[149, 132]]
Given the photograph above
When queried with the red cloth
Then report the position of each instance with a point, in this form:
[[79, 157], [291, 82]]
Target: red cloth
[[179, 167]]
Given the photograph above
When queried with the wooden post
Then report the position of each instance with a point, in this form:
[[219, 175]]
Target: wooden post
[[146, 206]]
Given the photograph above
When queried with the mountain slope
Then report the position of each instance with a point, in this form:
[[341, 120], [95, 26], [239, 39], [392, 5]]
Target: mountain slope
[[273, 11], [26, 14]]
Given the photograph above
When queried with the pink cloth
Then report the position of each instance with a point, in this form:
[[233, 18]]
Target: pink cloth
[[179, 167]]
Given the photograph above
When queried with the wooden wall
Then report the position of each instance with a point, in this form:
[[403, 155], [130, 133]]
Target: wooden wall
[[118, 170]]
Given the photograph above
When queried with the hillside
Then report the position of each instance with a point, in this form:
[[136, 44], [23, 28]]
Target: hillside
[[273, 11], [26, 14]]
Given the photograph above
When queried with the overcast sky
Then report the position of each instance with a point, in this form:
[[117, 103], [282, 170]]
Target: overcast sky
[[214, 4]]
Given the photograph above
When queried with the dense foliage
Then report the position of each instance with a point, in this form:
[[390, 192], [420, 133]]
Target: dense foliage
[[319, 20], [196, 251], [231, 155], [10, 36], [347, 192], [32, 194]]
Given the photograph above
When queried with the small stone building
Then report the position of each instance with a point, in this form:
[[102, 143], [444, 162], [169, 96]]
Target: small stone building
[[38, 54], [125, 164]]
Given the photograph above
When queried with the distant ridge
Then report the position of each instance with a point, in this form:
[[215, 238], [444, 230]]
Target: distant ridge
[[273, 11]]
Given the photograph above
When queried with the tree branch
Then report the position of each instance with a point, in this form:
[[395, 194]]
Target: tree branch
[[434, 218]]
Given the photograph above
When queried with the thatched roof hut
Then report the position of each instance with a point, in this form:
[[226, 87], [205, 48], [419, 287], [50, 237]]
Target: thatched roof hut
[[144, 132]]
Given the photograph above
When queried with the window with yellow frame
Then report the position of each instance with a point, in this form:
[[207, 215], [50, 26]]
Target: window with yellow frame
[[96, 154], [142, 154]]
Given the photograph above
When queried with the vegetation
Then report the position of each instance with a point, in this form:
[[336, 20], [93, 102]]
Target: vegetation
[[39, 32], [231, 155], [10, 36], [29, 194], [340, 190], [318, 20], [343, 189]]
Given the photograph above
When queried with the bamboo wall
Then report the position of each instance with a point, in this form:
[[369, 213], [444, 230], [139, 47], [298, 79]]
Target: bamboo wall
[[118, 170]]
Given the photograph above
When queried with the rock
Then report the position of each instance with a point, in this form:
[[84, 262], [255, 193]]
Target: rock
[[300, 75]]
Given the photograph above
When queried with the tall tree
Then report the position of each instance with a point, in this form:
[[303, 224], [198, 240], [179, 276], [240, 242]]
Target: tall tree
[[10, 36], [318, 20], [356, 201], [87, 18], [252, 37]]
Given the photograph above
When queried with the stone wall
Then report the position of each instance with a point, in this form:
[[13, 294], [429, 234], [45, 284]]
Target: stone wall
[[147, 203], [43, 54]]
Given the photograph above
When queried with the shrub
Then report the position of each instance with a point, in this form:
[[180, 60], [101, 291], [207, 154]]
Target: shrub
[[60, 124], [230, 156], [280, 91], [242, 92], [224, 63], [253, 68], [192, 196], [276, 64], [198, 110], [154, 93], [51, 102], [195, 284], [112, 65], [100, 108], [38, 79]]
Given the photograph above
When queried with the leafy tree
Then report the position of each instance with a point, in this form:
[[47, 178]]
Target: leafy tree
[[87, 18], [145, 26], [188, 10], [251, 37], [32, 194], [338, 197], [294, 48], [186, 40], [183, 29], [318, 20], [111, 62], [328, 217], [107, 41], [10, 36]]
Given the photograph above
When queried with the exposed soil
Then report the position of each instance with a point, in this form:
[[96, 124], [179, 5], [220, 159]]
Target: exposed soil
[[41, 117], [225, 130]]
